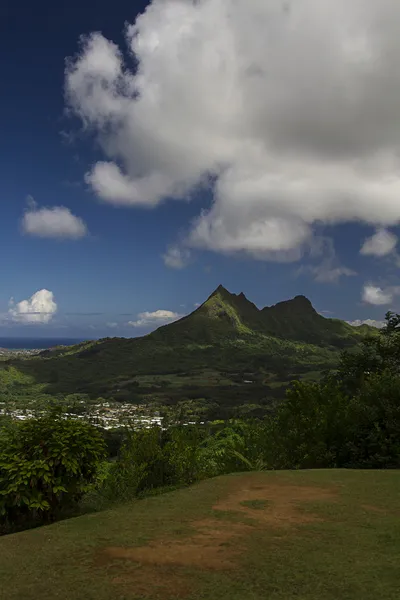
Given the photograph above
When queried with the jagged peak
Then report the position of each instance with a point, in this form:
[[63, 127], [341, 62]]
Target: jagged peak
[[227, 295], [303, 300], [298, 302], [220, 290], [227, 314]]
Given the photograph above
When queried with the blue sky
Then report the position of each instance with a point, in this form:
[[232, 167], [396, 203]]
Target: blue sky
[[125, 192]]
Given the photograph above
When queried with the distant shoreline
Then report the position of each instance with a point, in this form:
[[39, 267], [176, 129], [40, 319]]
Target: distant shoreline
[[36, 343]]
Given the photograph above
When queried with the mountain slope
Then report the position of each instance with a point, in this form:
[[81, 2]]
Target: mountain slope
[[230, 316], [298, 320], [222, 316], [203, 355]]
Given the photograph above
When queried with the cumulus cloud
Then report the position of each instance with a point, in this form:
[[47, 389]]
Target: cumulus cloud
[[176, 258], [156, 318], [290, 112], [373, 294], [53, 222], [325, 273], [382, 243], [39, 308], [370, 322], [328, 270]]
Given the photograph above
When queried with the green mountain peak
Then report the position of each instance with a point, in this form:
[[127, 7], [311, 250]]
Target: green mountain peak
[[226, 333], [298, 304], [220, 291], [228, 309]]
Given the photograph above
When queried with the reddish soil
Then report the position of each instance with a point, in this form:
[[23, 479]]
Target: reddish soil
[[283, 502], [374, 509]]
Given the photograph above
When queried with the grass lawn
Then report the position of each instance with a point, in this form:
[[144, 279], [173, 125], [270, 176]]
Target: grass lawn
[[304, 535]]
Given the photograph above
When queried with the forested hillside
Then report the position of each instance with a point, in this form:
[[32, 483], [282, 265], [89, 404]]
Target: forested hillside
[[225, 355]]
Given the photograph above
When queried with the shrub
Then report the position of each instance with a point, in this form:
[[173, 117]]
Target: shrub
[[153, 459], [139, 466], [46, 465], [236, 445], [183, 455]]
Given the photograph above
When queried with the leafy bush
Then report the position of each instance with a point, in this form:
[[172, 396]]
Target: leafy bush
[[152, 459], [46, 465], [139, 466], [236, 446], [182, 453]]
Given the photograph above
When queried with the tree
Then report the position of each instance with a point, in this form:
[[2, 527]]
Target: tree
[[46, 465], [374, 424], [392, 323], [349, 419], [310, 427], [375, 355]]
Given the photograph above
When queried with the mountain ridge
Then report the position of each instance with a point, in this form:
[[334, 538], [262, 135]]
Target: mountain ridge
[[203, 356], [228, 314]]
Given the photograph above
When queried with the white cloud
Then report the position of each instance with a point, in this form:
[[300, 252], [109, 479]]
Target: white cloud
[[291, 110], [382, 243], [196, 304], [328, 270], [325, 273], [112, 325], [156, 318], [53, 222], [370, 322], [39, 308], [176, 258], [372, 294]]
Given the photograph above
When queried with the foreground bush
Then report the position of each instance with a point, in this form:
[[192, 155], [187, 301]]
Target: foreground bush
[[46, 465], [152, 459], [139, 466]]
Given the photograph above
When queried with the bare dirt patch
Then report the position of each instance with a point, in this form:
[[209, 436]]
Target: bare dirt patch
[[282, 502], [203, 552], [216, 543], [207, 548], [374, 509], [163, 582]]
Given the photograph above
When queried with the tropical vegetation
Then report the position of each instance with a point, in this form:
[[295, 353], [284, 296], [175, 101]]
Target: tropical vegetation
[[350, 419]]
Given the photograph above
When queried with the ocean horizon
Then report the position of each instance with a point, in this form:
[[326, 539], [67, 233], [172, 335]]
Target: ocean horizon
[[26, 343]]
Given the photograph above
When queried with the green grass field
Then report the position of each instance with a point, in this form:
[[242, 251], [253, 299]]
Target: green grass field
[[304, 535]]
